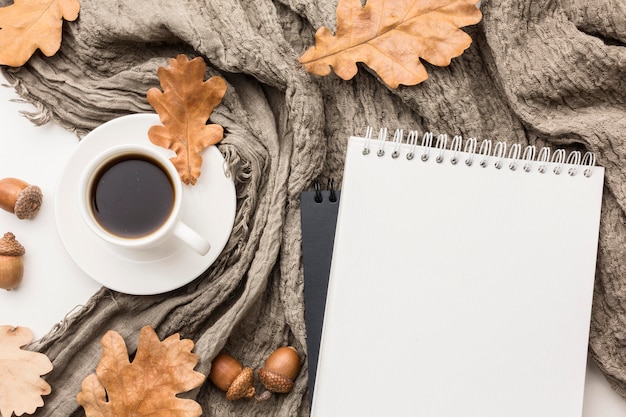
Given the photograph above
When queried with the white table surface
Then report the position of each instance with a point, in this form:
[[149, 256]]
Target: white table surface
[[54, 286]]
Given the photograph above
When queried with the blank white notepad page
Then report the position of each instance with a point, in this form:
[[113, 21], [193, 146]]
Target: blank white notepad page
[[458, 290]]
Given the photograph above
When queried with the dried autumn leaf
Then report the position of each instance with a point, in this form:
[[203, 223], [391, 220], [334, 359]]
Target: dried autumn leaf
[[390, 37], [28, 25], [184, 108], [21, 385], [148, 385]]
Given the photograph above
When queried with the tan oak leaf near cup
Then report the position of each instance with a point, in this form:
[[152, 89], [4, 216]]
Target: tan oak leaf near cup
[[184, 107]]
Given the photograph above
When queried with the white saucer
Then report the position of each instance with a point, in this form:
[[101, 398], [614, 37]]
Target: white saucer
[[208, 207]]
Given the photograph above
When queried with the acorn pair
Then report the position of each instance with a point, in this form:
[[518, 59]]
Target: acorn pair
[[23, 200], [277, 375]]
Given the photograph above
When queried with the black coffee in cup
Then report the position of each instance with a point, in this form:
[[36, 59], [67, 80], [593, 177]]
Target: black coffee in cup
[[131, 196]]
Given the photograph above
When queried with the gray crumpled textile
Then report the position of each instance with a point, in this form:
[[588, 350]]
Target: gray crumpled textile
[[538, 72]]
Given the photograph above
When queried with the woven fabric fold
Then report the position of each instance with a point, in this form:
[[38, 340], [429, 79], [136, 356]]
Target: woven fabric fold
[[540, 72]]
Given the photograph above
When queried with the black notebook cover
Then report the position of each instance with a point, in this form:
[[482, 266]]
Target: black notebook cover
[[319, 217]]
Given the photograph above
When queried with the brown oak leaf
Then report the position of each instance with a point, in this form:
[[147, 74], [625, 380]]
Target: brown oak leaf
[[21, 385], [391, 36], [28, 25], [148, 385], [184, 107]]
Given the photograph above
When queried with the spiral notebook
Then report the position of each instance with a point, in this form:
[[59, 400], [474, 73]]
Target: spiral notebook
[[461, 280], [318, 209]]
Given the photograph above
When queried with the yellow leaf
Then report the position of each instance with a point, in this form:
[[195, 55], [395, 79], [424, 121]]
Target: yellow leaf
[[391, 36], [28, 25], [184, 108], [21, 387], [148, 385]]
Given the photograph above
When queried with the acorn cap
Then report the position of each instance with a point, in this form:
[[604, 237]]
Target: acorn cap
[[9, 246], [274, 381], [242, 386], [28, 202]]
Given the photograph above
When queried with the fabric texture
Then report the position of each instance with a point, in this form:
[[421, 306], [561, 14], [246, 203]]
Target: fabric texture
[[538, 72]]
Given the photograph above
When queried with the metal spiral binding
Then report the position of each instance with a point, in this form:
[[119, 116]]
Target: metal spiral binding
[[455, 146], [368, 137], [382, 138], [500, 153], [412, 141], [318, 192], [484, 151], [427, 143], [487, 153], [332, 197], [442, 142], [470, 148], [528, 156], [397, 140], [319, 198]]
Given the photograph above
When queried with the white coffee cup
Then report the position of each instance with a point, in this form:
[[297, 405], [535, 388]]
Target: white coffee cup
[[131, 196]]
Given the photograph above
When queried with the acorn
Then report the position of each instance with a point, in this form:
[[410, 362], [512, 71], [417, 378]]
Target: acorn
[[229, 375], [19, 197], [11, 262], [279, 372]]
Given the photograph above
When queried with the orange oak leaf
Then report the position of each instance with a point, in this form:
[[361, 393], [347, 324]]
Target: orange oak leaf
[[28, 25], [148, 385], [21, 385], [391, 36], [184, 108]]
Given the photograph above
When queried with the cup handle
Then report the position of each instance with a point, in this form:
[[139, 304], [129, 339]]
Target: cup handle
[[191, 238]]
